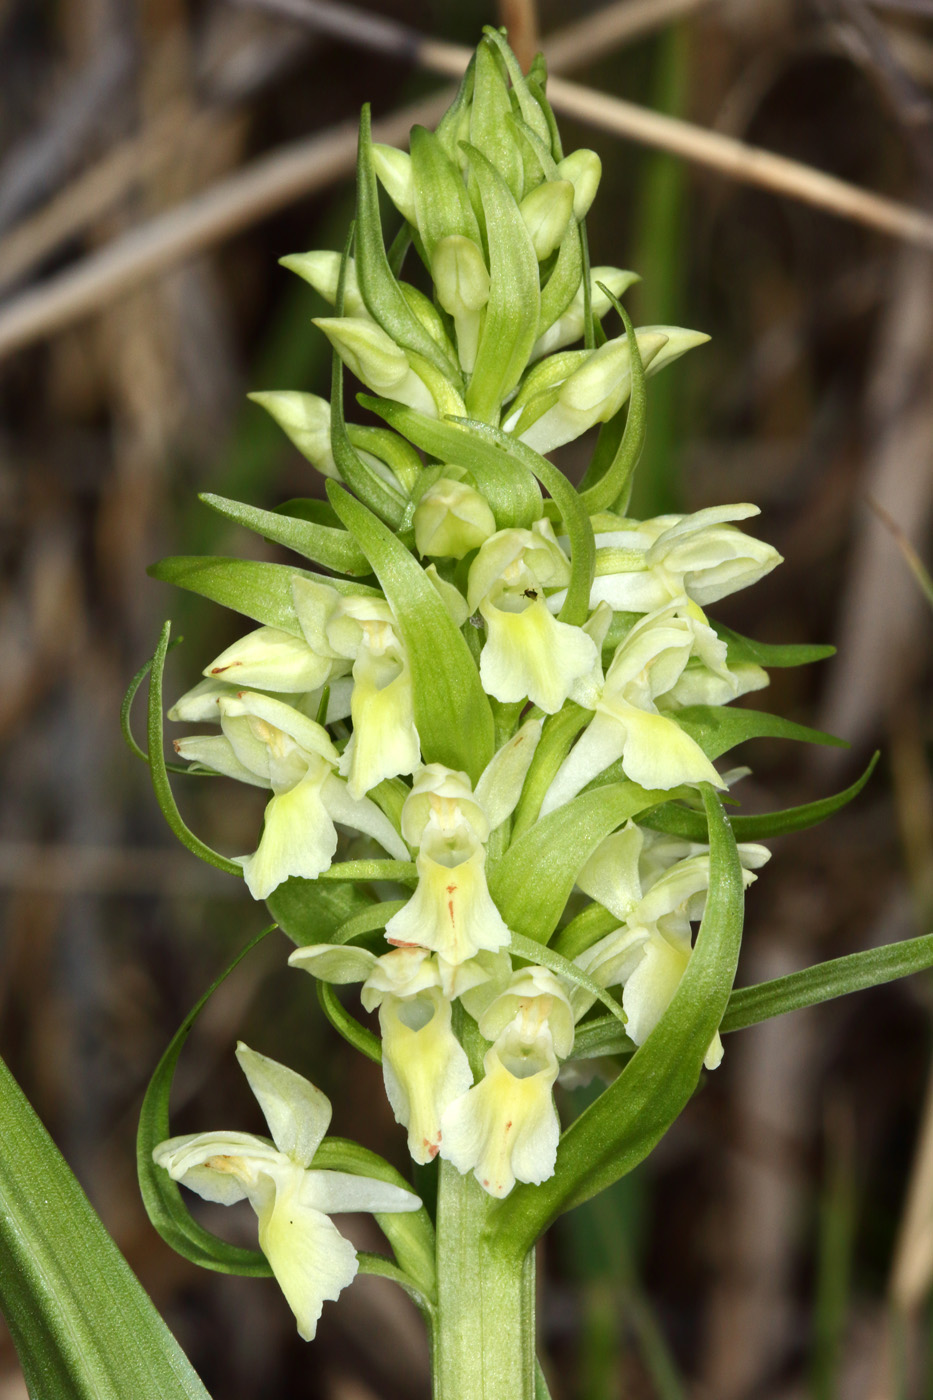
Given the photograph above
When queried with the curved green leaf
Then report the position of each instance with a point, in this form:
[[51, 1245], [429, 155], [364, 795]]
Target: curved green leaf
[[532, 881], [445, 680], [161, 1195], [511, 490], [126, 727], [826, 980], [383, 296], [558, 734], [742, 650], [718, 728], [82, 1325], [681, 821], [623, 1125], [159, 773], [335, 549], [258, 590], [575, 517], [601, 1036], [346, 1024]]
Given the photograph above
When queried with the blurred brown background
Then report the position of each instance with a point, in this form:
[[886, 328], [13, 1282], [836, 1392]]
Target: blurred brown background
[[157, 158]]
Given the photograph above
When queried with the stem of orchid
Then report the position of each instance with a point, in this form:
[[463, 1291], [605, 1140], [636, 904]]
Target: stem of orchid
[[484, 1334]]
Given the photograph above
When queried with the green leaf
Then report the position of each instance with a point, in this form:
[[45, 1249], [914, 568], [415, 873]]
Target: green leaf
[[681, 821], [572, 510], [824, 981], [558, 734], [347, 1026], [401, 871], [383, 296], [381, 496], [622, 1126], [510, 323], [159, 773], [489, 125], [311, 911], [83, 1327], [543, 956], [161, 1195], [718, 728], [601, 1036], [532, 881], [743, 649], [335, 549], [441, 197], [126, 722], [260, 591], [566, 275], [511, 490], [614, 487], [445, 680]]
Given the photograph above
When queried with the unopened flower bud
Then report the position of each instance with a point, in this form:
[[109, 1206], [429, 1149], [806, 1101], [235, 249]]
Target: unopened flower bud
[[376, 360], [583, 168], [547, 211], [322, 270], [393, 167], [305, 418], [451, 519]]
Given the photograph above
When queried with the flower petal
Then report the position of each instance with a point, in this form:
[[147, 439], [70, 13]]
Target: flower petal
[[298, 1114]]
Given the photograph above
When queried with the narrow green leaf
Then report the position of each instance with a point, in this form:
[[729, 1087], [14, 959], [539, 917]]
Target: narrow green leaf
[[601, 1036], [311, 911], [400, 871], [558, 734], [379, 495], [559, 290], [258, 590], [347, 1026], [768, 654], [718, 728], [511, 490], [441, 197], [622, 1126], [532, 881], [335, 549], [540, 954], [614, 487], [586, 928], [159, 774], [445, 679], [383, 296], [572, 510], [161, 1195], [83, 1327], [369, 920], [489, 123], [510, 324], [824, 981], [681, 821], [126, 727]]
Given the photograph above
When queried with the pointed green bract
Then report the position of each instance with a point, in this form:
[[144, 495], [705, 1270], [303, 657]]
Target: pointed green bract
[[619, 1130], [681, 821], [257, 590], [532, 881], [507, 484], [311, 911], [320, 543], [743, 649], [444, 678], [612, 490], [510, 325], [719, 728], [381, 292]]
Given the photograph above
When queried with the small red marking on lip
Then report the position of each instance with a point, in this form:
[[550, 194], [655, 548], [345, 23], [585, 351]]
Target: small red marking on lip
[[486, 1181], [450, 910], [451, 889], [176, 745], [219, 670], [400, 943], [432, 1148], [508, 1125]]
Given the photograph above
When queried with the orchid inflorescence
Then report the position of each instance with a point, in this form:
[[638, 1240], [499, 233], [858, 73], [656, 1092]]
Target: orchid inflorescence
[[509, 688]]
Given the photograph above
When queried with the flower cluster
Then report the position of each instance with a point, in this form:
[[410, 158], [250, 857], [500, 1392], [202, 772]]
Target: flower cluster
[[485, 671]]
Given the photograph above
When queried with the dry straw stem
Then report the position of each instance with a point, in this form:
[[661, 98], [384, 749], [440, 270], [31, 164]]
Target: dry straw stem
[[305, 166]]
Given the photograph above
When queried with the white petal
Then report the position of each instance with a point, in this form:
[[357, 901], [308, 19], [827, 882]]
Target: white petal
[[424, 1066], [298, 1114], [364, 815], [334, 962], [530, 655], [500, 785], [215, 751], [298, 838], [311, 1260], [336, 1193]]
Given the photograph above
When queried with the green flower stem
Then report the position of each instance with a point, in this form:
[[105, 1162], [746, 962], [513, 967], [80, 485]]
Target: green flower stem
[[484, 1333]]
